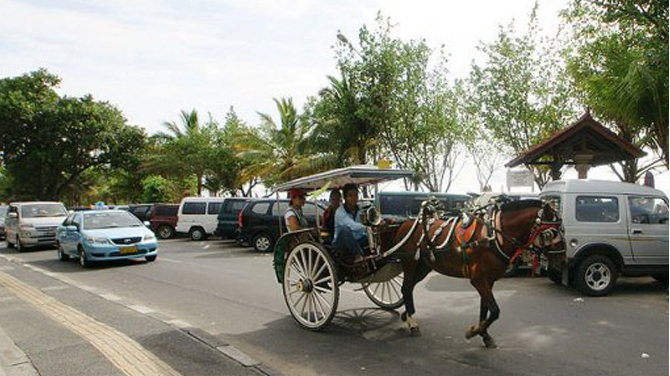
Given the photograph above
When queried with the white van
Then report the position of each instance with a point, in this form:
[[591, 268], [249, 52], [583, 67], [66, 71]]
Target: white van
[[33, 223], [611, 228], [197, 216]]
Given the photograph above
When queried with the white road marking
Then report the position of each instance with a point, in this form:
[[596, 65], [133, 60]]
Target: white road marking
[[140, 308]]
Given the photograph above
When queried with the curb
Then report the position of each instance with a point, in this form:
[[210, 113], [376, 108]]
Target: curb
[[13, 361], [198, 334]]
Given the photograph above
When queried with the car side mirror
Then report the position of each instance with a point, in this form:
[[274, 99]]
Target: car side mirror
[[71, 228], [147, 223]]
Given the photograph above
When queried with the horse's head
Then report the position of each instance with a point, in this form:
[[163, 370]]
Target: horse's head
[[535, 225], [549, 239]]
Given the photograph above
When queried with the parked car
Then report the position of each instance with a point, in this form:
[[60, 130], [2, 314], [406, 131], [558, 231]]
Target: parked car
[[3, 212], [163, 220], [486, 197], [33, 223], [80, 208], [197, 216], [228, 219], [100, 235], [141, 211], [119, 207], [408, 204], [259, 221], [611, 228]]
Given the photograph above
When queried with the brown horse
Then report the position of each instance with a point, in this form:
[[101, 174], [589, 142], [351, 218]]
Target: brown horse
[[481, 252]]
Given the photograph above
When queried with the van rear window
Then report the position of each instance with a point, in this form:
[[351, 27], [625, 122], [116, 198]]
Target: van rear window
[[194, 208]]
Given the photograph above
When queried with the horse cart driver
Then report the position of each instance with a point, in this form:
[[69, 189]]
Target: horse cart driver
[[351, 235]]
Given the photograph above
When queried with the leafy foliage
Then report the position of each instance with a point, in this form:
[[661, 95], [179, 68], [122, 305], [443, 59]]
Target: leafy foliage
[[47, 141]]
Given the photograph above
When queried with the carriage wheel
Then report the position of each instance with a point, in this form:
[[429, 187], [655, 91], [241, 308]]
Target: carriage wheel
[[387, 294], [310, 285]]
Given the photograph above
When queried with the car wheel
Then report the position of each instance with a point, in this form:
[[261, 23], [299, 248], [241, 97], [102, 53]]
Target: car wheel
[[596, 275], [151, 258], [165, 232], [661, 278], [197, 234], [83, 260], [263, 243], [62, 255]]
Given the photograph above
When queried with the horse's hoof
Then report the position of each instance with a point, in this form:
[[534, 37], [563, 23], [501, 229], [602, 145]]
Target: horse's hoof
[[490, 343], [403, 316], [471, 332], [415, 331]]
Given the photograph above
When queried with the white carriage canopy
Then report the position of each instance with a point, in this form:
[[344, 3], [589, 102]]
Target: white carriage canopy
[[360, 175]]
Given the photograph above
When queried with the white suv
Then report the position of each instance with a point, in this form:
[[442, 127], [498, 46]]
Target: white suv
[[29, 224], [611, 228], [197, 216]]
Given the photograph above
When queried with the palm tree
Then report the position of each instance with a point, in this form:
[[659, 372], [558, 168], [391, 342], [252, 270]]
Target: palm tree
[[279, 152], [184, 150], [354, 136]]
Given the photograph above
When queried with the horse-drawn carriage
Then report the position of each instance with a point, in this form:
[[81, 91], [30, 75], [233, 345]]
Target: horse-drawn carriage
[[311, 270], [479, 246]]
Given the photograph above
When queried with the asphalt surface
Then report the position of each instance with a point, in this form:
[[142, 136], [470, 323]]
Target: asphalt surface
[[229, 296]]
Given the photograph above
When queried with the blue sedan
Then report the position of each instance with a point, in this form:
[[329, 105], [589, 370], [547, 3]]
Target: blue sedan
[[101, 235]]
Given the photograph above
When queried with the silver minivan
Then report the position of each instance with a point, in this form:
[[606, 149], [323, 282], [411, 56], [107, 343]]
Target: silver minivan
[[611, 228], [33, 223]]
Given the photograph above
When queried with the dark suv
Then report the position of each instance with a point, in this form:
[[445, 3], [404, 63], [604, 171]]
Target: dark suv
[[162, 218], [259, 221], [228, 219]]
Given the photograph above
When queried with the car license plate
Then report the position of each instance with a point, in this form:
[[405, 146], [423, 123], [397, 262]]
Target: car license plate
[[128, 250]]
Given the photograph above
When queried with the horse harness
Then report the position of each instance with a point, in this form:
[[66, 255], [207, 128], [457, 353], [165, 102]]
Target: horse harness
[[465, 227]]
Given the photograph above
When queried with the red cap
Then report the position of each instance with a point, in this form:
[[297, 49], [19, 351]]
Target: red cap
[[296, 192]]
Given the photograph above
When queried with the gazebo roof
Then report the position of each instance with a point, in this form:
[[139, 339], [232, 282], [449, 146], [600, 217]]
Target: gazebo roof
[[586, 136]]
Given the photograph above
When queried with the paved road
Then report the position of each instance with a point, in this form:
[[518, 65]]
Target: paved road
[[230, 293]]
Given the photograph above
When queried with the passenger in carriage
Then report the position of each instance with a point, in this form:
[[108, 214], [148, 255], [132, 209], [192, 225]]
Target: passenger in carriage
[[350, 234], [329, 214], [294, 218]]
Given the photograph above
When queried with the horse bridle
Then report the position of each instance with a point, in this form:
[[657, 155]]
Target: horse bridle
[[543, 234]]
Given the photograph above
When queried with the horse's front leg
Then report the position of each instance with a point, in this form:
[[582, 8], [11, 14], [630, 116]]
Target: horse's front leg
[[488, 305], [418, 273]]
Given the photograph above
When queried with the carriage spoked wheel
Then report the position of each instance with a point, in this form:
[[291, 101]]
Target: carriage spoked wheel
[[387, 294], [310, 285]]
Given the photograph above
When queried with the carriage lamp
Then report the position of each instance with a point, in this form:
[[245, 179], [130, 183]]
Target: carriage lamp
[[573, 243]]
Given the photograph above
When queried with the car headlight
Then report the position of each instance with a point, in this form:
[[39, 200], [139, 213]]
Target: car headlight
[[97, 240], [149, 236]]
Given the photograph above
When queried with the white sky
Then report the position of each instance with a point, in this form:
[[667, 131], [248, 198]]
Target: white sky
[[153, 58]]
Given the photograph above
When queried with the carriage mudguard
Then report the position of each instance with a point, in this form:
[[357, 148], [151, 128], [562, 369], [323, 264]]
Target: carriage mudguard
[[281, 251], [280, 258]]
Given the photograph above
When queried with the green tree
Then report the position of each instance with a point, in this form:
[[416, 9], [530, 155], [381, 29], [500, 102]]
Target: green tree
[[47, 141], [389, 103], [156, 189], [278, 152], [619, 63], [521, 94], [184, 151]]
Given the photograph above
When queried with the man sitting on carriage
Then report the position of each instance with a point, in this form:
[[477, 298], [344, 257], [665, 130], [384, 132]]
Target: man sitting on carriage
[[350, 234]]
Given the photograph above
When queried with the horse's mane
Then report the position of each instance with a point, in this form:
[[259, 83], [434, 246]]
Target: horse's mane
[[521, 204]]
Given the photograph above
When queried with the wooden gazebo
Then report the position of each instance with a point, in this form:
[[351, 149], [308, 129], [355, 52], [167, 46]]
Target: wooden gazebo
[[586, 143]]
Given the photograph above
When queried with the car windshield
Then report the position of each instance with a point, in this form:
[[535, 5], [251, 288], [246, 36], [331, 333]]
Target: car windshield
[[97, 221], [43, 210]]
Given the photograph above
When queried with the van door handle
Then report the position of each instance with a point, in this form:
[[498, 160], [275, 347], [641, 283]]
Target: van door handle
[[637, 232]]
